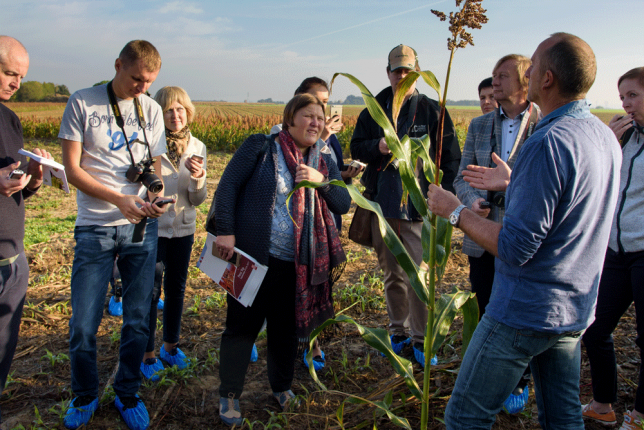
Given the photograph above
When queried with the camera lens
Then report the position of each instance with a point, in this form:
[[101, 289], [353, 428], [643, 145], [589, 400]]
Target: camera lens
[[152, 182]]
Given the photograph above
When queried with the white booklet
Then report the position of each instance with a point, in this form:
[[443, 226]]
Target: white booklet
[[53, 173], [241, 276]]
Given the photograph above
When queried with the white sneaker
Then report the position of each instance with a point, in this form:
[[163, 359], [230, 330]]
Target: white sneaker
[[631, 422]]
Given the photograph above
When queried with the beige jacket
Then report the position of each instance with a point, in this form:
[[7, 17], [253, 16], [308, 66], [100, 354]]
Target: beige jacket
[[180, 218]]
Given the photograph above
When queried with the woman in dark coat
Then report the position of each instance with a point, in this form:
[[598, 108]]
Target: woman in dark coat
[[299, 243]]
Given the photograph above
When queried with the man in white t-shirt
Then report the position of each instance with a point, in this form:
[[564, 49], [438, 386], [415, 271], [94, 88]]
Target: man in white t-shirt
[[112, 202]]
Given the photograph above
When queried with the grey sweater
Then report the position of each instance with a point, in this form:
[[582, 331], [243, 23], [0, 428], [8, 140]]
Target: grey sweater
[[246, 196], [627, 233]]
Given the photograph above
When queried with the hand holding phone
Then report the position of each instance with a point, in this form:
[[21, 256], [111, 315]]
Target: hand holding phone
[[162, 201], [197, 157], [16, 174]]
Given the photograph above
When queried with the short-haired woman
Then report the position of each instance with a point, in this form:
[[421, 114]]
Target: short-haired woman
[[299, 243]]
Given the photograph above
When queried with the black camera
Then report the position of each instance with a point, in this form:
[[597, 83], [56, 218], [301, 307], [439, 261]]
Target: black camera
[[143, 172], [497, 198]]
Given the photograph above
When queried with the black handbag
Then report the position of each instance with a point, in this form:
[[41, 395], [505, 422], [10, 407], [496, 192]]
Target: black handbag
[[360, 228]]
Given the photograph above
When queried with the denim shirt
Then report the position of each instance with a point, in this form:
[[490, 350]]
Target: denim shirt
[[559, 208]]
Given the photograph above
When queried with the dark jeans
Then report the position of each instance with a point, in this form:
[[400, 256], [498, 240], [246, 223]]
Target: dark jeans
[[622, 283], [13, 287], [275, 302], [482, 279], [173, 258], [94, 253]]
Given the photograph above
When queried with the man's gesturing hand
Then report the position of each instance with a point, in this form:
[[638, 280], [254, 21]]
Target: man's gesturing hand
[[488, 178]]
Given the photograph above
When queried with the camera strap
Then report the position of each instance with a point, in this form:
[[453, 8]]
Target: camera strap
[[121, 123]]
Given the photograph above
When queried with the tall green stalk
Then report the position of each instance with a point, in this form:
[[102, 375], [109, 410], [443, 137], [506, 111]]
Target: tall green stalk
[[436, 233], [431, 309]]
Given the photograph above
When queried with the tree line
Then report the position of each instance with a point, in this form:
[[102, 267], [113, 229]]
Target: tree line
[[34, 91]]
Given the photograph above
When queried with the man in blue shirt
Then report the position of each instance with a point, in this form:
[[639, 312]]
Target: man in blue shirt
[[549, 249]]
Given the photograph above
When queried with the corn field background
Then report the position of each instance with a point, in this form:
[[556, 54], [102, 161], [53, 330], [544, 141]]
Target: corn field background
[[224, 126]]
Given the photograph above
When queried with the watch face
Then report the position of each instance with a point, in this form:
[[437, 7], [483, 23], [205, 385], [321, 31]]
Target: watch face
[[453, 219]]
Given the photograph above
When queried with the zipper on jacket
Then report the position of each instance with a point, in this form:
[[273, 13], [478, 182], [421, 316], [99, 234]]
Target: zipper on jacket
[[623, 202]]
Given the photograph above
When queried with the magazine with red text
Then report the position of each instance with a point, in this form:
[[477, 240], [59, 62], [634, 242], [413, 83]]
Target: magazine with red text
[[240, 276]]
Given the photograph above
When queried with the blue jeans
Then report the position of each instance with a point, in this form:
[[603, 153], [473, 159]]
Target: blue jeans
[[94, 253], [494, 362]]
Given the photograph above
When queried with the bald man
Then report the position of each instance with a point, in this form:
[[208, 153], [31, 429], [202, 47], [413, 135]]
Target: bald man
[[14, 189], [549, 250]]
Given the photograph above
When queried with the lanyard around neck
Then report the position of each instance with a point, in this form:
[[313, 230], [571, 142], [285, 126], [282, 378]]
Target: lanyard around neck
[[121, 123]]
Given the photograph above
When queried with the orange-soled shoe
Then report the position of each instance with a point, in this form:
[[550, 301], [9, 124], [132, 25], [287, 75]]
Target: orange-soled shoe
[[607, 419]]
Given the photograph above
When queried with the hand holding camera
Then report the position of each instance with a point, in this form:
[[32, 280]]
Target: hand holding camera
[[481, 207]]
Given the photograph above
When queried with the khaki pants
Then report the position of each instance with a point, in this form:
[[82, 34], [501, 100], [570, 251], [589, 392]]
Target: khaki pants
[[403, 305]]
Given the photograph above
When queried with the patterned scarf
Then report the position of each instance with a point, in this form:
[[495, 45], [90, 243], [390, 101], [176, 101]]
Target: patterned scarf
[[177, 141], [319, 257]]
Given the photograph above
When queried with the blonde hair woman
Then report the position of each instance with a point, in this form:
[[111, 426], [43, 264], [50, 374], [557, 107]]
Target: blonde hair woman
[[183, 169]]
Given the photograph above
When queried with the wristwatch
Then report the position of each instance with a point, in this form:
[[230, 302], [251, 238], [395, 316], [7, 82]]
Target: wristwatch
[[455, 216]]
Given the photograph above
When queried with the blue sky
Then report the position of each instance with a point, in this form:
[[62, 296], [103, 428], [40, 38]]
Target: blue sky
[[247, 49]]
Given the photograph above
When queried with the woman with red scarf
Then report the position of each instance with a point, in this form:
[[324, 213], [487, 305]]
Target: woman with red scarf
[[298, 242]]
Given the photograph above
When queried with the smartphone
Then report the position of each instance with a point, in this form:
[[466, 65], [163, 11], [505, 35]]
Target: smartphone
[[160, 202], [16, 174], [485, 205], [358, 164], [336, 110], [197, 157], [232, 260], [354, 163]]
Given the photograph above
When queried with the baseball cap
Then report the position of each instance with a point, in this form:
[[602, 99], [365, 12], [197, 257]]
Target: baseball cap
[[402, 56]]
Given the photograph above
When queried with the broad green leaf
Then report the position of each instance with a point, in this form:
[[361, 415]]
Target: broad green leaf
[[470, 320], [425, 237], [340, 412], [423, 145], [379, 339], [399, 97], [443, 245], [446, 308], [407, 172], [383, 408], [431, 80], [375, 110], [400, 149], [389, 398]]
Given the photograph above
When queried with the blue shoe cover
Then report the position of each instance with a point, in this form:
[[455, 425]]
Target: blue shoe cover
[[149, 369], [174, 357], [419, 355], [161, 304], [78, 416], [318, 363], [397, 346], [516, 402], [115, 308], [254, 356], [136, 415]]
